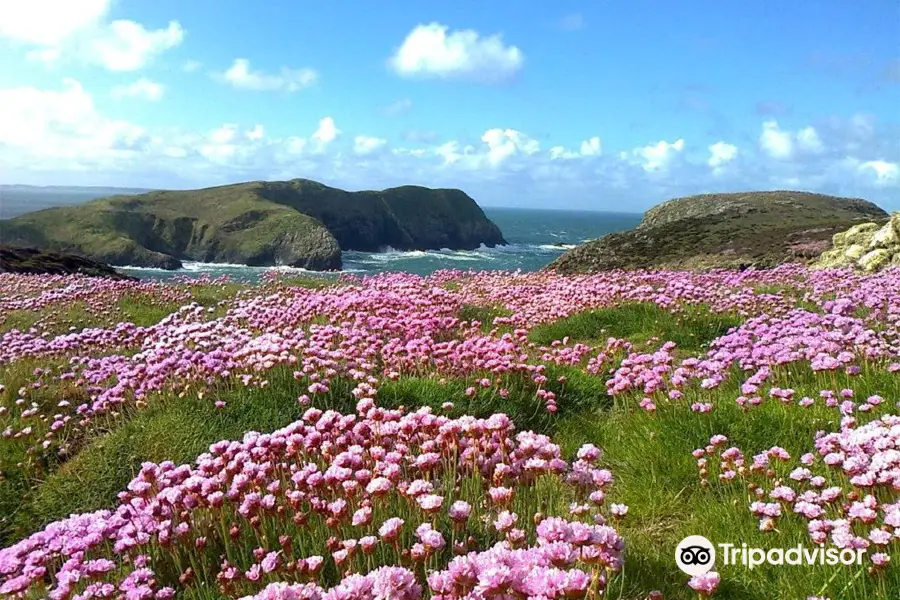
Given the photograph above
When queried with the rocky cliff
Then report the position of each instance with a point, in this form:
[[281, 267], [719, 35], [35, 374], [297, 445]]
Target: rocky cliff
[[760, 229], [30, 261], [299, 223]]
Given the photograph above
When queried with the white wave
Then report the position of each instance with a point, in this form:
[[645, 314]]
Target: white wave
[[557, 247]]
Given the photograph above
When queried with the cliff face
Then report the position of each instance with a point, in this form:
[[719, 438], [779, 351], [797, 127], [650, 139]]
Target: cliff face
[[404, 218], [30, 261], [298, 223], [760, 229]]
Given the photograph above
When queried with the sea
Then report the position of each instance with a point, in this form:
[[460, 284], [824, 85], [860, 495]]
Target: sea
[[535, 238]]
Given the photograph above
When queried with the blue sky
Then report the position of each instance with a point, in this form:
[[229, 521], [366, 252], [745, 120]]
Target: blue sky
[[602, 105]]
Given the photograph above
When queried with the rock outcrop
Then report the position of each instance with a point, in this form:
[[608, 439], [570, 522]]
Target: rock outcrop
[[30, 261], [867, 246], [750, 229], [299, 223]]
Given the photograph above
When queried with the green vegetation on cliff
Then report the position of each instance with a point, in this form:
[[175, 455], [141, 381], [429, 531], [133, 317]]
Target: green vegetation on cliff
[[760, 229], [299, 223]]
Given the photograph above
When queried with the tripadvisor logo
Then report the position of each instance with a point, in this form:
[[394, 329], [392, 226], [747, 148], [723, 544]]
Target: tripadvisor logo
[[696, 555]]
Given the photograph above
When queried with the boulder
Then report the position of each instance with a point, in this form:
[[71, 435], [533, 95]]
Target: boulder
[[868, 246], [875, 260]]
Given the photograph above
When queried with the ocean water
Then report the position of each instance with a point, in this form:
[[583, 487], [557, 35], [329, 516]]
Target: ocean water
[[536, 238]]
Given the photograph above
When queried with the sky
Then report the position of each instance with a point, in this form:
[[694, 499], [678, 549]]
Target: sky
[[601, 104]]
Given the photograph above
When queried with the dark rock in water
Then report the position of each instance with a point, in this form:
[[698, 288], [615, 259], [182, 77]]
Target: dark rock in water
[[30, 261], [299, 223], [741, 230]]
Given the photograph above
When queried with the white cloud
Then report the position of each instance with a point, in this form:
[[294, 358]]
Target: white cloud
[[782, 144], [364, 144], [326, 133], [591, 147], [775, 142], [503, 143], [143, 89], [59, 136], [884, 172], [77, 30], [808, 139], [721, 153], [257, 133], [61, 127], [430, 51], [241, 76], [657, 157], [223, 134], [129, 46], [48, 22]]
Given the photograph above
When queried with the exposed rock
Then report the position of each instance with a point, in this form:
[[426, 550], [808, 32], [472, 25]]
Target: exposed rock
[[30, 261], [750, 229], [868, 246]]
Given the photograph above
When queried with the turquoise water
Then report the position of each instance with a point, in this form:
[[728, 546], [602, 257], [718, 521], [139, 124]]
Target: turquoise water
[[535, 237]]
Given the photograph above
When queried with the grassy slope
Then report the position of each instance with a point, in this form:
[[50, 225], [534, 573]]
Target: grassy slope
[[725, 230], [256, 223], [228, 223]]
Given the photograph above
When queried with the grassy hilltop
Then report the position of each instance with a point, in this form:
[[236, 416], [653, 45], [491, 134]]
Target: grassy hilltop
[[761, 229], [299, 222]]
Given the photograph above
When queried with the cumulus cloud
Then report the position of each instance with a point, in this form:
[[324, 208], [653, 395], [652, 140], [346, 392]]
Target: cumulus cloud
[[783, 144], [240, 76], [49, 23], [503, 143], [142, 89], [431, 51], [885, 173], [59, 136], [657, 157], [326, 133], [129, 46], [62, 128], [721, 153], [78, 30], [589, 147]]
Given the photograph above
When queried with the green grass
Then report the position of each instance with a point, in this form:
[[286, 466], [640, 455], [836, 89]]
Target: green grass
[[483, 314], [170, 428], [50, 319], [691, 330], [656, 475]]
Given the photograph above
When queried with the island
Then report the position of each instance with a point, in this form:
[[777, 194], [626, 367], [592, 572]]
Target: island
[[733, 230], [298, 223]]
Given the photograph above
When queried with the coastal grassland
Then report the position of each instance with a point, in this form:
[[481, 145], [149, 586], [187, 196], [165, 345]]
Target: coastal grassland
[[640, 322], [647, 450], [179, 425]]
